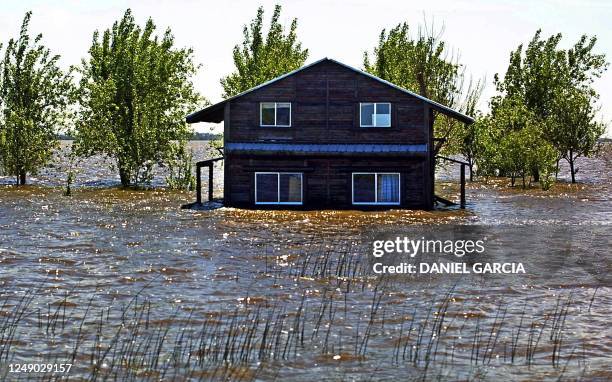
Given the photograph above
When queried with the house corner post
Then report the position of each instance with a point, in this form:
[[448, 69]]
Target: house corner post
[[198, 184], [210, 182], [431, 158], [462, 185]]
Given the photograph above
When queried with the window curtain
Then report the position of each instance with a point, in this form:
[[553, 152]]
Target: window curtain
[[388, 188], [291, 188]]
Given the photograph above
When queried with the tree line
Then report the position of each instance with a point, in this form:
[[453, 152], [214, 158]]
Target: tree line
[[133, 91], [135, 87]]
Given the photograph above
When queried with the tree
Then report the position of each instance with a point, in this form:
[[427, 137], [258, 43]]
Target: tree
[[34, 96], [572, 128], [555, 85], [259, 60], [469, 145], [510, 142], [136, 89], [423, 65]]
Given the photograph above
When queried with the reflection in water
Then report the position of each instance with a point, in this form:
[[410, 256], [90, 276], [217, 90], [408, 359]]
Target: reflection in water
[[125, 283]]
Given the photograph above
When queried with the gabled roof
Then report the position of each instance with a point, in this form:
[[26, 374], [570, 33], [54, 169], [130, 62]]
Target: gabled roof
[[214, 113]]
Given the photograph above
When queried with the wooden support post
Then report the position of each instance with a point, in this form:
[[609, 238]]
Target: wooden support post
[[198, 184], [462, 185], [210, 182]]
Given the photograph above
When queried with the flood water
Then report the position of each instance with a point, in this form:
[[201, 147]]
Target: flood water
[[124, 284]]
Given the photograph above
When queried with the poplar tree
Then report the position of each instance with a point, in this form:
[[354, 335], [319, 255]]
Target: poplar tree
[[34, 96], [136, 89], [555, 85], [423, 64], [573, 129], [261, 58]]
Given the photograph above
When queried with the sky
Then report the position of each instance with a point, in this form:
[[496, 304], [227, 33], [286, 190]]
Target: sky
[[481, 33]]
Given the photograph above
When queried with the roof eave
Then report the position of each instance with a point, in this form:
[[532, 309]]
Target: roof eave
[[207, 114], [455, 114]]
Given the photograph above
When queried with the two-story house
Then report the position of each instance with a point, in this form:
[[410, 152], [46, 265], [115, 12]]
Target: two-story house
[[327, 136]]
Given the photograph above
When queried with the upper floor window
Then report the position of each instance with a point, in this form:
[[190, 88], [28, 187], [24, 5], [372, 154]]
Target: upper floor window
[[275, 114], [375, 114]]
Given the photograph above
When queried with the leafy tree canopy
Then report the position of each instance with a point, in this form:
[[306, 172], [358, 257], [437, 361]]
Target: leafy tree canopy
[[260, 59], [420, 64], [34, 96], [136, 89], [555, 86], [423, 65]]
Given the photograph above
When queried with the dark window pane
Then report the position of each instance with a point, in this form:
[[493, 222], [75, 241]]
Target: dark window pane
[[388, 188], [283, 114], [383, 114], [383, 108], [267, 188], [267, 113], [364, 188], [367, 112], [291, 188]]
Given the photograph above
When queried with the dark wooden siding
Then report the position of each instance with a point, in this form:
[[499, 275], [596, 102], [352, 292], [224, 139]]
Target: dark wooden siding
[[327, 181], [325, 109]]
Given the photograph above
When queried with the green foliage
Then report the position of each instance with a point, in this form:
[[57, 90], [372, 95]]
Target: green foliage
[[423, 65], [543, 69], [572, 129], [261, 59], [216, 144], [180, 167], [34, 97], [511, 143], [555, 86], [420, 64], [469, 143], [136, 89], [69, 181], [545, 158], [521, 151]]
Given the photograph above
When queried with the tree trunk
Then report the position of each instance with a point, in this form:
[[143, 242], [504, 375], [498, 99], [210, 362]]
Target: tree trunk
[[536, 174], [22, 178], [125, 178], [124, 175], [572, 169], [571, 163]]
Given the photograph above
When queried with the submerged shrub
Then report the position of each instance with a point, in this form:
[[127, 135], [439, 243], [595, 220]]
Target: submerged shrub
[[180, 168]]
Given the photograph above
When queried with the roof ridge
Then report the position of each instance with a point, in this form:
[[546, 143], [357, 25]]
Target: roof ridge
[[192, 118]]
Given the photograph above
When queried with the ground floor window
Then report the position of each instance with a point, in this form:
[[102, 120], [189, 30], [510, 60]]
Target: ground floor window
[[278, 188], [376, 188]]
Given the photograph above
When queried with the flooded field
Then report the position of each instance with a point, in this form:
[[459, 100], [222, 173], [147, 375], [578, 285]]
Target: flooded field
[[123, 284]]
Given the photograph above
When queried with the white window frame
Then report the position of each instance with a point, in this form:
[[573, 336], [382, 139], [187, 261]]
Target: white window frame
[[275, 109], [278, 174], [374, 115], [376, 202]]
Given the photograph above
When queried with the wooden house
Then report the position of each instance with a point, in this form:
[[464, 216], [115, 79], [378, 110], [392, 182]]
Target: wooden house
[[327, 136]]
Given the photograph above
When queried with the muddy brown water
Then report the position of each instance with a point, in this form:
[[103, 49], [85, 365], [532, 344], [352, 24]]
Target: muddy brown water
[[124, 284]]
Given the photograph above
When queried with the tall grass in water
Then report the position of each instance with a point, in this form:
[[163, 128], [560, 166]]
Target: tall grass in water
[[338, 318]]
